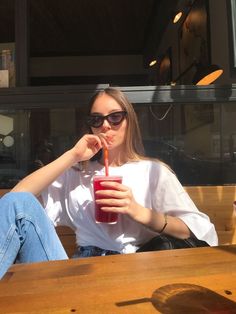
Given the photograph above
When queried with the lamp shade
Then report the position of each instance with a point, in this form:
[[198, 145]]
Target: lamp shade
[[206, 75]]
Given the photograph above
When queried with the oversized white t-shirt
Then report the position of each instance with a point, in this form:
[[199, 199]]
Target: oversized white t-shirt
[[70, 201]]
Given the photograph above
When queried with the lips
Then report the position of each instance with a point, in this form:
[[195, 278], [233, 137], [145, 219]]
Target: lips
[[110, 139]]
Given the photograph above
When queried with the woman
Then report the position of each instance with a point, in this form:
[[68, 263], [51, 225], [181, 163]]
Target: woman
[[154, 210]]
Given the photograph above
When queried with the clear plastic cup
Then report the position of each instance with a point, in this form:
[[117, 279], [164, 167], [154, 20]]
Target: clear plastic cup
[[100, 215]]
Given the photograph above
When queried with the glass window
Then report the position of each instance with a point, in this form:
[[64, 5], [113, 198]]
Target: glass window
[[187, 138], [7, 44], [198, 141]]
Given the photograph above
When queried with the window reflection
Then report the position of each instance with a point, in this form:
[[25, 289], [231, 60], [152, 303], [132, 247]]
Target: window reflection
[[197, 141], [13, 148]]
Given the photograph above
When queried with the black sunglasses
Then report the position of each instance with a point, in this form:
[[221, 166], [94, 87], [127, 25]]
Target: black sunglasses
[[114, 118]]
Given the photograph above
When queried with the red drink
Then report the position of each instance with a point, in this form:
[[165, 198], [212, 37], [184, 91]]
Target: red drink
[[100, 215]]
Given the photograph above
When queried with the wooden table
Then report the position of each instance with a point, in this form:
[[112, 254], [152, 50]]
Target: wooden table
[[199, 280]]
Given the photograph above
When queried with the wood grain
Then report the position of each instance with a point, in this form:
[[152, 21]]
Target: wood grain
[[174, 281], [217, 203]]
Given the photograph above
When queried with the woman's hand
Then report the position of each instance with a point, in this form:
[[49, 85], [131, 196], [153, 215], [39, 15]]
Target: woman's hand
[[119, 200], [85, 148], [89, 145]]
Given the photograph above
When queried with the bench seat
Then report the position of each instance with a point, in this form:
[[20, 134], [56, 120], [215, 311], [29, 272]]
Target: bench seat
[[215, 201]]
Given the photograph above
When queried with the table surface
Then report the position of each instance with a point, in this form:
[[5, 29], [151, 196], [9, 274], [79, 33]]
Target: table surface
[[198, 280]]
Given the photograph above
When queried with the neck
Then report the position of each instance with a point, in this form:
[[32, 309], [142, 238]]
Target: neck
[[115, 159]]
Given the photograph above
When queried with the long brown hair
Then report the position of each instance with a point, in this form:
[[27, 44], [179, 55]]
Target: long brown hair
[[134, 149]]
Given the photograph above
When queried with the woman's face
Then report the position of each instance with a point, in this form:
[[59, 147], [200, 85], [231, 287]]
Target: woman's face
[[104, 105]]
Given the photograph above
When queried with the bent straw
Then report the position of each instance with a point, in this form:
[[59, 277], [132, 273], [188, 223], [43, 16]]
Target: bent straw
[[105, 151]]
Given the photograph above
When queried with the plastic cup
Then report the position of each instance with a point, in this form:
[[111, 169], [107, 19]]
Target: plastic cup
[[100, 215]]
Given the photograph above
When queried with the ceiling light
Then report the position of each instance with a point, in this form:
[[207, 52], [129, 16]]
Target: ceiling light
[[153, 62], [177, 16]]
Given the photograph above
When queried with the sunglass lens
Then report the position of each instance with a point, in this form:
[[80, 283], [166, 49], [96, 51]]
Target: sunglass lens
[[116, 117], [95, 121]]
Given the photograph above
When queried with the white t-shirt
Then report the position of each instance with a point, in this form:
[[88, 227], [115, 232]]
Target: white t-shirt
[[69, 201]]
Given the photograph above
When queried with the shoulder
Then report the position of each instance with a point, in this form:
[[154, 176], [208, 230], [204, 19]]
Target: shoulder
[[160, 174], [155, 165]]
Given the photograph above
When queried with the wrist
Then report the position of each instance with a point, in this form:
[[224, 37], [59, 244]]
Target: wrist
[[140, 214], [74, 158], [156, 221], [145, 216], [164, 225], [66, 160]]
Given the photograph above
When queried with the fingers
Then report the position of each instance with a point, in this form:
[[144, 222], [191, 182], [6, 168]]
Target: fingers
[[98, 140], [94, 143], [114, 205], [118, 200], [106, 139], [114, 190], [114, 185], [110, 194], [89, 145], [114, 200]]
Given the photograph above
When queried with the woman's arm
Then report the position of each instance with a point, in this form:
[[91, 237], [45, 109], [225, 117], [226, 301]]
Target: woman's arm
[[122, 201], [156, 221], [41, 178], [37, 181]]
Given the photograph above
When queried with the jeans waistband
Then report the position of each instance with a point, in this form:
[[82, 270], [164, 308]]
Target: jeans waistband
[[90, 250]]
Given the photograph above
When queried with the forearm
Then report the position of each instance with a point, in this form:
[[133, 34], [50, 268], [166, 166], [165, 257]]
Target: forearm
[[84, 149], [41, 178], [156, 221]]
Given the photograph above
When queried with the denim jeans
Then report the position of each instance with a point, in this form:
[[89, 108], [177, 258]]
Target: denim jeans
[[90, 250], [26, 233]]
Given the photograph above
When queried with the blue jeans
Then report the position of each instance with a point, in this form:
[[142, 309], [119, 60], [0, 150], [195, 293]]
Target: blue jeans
[[90, 250], [26, 233]]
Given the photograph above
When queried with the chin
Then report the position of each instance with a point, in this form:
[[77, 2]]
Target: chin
[[114, 146], [110, 146]]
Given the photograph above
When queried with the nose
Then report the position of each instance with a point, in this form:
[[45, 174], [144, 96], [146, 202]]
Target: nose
[[106, 125]]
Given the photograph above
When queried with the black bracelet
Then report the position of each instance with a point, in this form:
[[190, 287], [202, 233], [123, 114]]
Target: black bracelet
[[165, 224]]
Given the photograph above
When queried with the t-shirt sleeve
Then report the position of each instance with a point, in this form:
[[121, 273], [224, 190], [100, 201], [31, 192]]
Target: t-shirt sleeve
[[171, 198], [54, 201]]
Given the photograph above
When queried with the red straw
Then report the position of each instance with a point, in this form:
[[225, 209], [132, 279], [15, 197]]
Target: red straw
[[105, 151]]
